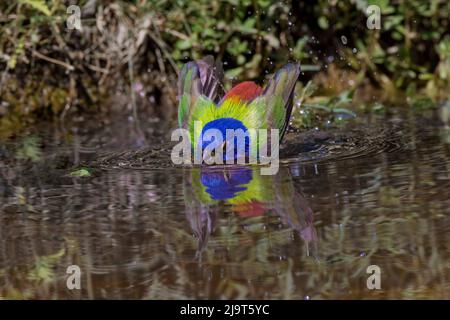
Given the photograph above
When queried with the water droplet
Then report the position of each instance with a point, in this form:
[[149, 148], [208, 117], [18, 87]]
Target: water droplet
[[355, 50], [344, 40]]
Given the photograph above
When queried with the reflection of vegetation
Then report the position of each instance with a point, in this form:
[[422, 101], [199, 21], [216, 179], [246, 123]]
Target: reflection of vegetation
[[44, 266], [30, 149], [38, 274], [444, 114]]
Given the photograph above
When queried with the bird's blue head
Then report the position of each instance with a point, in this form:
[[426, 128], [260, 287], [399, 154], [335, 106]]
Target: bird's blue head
[[222, 125]]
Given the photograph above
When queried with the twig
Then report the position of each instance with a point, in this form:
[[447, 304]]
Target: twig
[[130, 72], [2, 80], [52, 60], [97, 69], [133, 94], [161, 45], [177, 34]]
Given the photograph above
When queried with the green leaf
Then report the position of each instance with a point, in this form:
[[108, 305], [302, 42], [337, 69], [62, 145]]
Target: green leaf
[[184, 44], [345, 111], [316, 106], [323, 22], [39, 5], [232, 73], [392, 21], [310, 67], [83, 172]]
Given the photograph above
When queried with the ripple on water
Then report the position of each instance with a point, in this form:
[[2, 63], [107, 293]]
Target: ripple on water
[[357, 141]]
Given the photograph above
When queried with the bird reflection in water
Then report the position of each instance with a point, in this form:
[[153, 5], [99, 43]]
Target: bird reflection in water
[[211, 193]]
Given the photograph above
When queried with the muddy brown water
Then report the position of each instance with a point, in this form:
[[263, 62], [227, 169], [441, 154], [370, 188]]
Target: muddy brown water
[[375, 192]]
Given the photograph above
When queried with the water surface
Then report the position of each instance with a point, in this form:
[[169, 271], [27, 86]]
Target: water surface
[[376, 192]]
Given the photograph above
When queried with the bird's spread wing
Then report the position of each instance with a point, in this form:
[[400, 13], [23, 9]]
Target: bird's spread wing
[[198, 78], [211, 75], [278, 96]]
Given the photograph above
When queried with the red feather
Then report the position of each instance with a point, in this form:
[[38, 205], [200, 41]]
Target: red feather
[[250, 209], [246, 91]]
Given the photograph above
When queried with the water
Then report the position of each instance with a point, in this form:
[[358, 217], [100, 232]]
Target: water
[[376, 192]]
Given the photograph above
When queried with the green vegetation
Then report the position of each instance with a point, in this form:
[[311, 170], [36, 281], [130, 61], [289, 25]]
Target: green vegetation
[[29, 150], [50, 70], [83, 172]]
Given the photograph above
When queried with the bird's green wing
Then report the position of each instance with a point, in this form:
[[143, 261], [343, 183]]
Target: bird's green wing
[[197, 79], [278, 96], [189, 90]]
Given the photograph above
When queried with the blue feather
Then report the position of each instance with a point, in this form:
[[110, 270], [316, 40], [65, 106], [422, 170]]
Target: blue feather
[[222, 187], [222, 125]]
